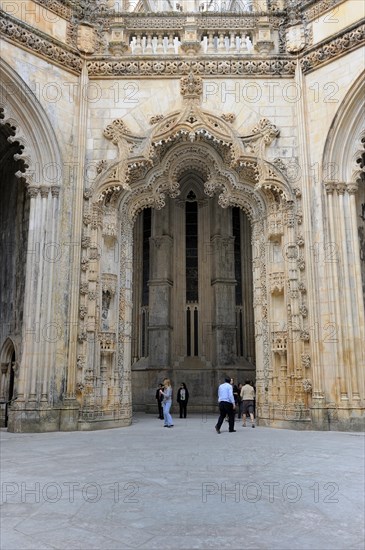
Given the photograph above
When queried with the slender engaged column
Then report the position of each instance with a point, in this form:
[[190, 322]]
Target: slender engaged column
[[334, 269], [348, 322]]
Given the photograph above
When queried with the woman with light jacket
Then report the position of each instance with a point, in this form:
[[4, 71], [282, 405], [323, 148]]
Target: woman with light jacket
[[166, 403]]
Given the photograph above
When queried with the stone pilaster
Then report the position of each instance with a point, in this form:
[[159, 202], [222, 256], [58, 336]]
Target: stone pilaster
[[223, 289], [160, 286]]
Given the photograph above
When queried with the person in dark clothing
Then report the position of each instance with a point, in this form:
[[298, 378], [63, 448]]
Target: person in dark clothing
[[182, 399], [159, 399]]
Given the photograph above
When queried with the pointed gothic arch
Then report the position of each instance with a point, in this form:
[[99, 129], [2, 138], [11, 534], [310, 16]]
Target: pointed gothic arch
[[39, 179], [344, 194], [233, 169]]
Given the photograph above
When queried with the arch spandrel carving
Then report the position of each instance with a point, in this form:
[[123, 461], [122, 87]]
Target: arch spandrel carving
[[33, 130], [140, 156]]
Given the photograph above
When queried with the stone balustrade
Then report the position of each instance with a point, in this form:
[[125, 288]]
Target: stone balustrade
[[224, 42], [193, 35]]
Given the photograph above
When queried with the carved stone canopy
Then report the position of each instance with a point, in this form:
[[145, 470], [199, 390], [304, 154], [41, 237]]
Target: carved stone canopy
[[192, 124]]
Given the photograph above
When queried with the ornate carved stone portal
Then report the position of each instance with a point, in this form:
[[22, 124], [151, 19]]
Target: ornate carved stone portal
[[174, 206]]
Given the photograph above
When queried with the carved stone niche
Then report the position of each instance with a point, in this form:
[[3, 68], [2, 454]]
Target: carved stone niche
[[275, 223], [110, 221], [109, 283], [277, 281], [279, 341], [107, 342]]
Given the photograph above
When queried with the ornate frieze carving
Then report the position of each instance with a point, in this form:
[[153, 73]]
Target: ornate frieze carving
[[319, 7], [61, 8], [163, 23], [34, 40], [202, 67], [332, 48], [64, 55]]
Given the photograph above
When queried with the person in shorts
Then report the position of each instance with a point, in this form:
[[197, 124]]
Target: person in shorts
[[248, 396]]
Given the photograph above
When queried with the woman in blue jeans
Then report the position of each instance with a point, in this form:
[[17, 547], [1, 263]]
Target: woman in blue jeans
[[166, 403]]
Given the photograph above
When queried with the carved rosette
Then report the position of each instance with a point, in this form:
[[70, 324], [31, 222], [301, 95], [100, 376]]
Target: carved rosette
[[307, 385]]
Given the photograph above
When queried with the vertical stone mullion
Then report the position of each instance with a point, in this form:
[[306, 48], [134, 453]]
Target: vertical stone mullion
[[125, 317], [76, 250], [347, 307], [37, 355], [29, 321], [52, 212], [312, 276], [334, 271], [359, 318]]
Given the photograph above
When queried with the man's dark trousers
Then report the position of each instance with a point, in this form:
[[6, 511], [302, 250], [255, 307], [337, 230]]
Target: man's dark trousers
[[226, 409]]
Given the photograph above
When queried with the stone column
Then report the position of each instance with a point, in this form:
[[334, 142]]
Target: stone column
[[247, 290], [334, 278], [358, 309], [160, 286], [307, 187], [346, 319], [70, 413], [30, 322], [50, 258], [223, 288], [125, 319]]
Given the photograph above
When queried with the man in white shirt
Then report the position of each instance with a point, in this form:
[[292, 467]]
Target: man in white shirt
[[226, 405]]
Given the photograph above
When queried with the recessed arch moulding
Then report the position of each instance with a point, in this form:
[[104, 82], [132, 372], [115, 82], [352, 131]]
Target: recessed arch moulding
[[26, 123], [233, 168]]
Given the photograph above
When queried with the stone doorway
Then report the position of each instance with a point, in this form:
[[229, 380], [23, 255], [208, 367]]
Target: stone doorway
[[193, 317], [7, 383]]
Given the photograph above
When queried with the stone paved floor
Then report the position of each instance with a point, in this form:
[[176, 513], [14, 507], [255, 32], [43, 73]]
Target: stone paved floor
[[182, 488]]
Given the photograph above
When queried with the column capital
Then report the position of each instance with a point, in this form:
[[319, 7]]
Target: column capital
[[55, 190], [352, 188], [33, 191], [44, 190], [341, 188], [330, 187]]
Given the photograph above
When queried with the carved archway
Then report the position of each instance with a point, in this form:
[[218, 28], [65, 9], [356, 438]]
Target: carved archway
[[40, 174], [344, 194], [233, 167]]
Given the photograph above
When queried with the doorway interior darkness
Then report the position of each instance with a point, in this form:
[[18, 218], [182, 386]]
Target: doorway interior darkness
[[193, 317]]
